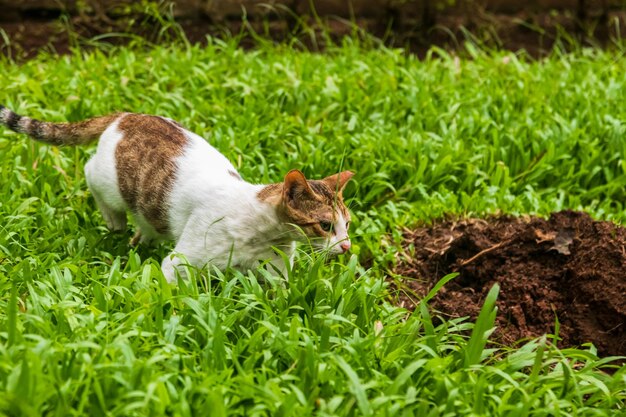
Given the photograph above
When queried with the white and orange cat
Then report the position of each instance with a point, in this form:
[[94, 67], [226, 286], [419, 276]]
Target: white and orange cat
[[177, 186]]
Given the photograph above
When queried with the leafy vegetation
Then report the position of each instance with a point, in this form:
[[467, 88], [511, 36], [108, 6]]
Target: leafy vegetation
[[88, 326]]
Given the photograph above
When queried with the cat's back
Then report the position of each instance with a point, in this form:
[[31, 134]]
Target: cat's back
[[153, 149], [201, 159], [159, 167]]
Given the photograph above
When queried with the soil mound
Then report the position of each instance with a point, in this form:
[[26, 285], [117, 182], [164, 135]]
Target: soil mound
[[568, 267]]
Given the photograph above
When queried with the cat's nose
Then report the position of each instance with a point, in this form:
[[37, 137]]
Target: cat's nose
[[345, 245]]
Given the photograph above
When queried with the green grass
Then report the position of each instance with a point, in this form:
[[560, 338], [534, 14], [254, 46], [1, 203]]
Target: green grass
[[89, 327]]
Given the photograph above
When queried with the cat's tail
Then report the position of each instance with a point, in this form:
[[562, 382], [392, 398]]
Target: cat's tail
[[56, 133]]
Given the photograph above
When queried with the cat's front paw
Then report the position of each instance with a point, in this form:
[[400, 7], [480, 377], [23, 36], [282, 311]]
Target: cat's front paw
[[169, 269], [172, 269]]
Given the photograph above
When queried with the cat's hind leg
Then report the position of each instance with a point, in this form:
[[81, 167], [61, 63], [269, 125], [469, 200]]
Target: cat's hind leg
[[115, 220], [145, 233], [134, 241], [104, 192]]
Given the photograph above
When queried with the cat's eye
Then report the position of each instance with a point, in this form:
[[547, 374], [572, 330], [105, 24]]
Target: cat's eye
[[326, 226]]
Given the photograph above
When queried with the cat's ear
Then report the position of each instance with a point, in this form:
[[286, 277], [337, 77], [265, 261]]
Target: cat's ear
[[296, 186], [338, 181]]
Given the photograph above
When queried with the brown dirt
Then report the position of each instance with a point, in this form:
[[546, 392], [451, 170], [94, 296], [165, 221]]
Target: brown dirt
[[535, 32], [568, 266]]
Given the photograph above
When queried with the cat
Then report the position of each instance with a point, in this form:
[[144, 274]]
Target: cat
[[177, 186]]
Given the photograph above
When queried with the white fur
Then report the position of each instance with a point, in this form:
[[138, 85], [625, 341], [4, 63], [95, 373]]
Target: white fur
[[217, 218], [214, 217], [101, 175], [335, 241]]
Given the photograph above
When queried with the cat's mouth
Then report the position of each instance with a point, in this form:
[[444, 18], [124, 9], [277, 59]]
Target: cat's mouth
[[331, 245], [332, 248]]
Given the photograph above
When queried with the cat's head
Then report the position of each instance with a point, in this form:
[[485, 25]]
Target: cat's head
[[316, 207]]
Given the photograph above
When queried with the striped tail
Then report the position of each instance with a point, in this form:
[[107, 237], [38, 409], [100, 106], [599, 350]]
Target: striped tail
[[56, 133]]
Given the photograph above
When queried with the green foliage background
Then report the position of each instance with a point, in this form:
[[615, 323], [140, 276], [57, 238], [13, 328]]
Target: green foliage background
[[89, 327]]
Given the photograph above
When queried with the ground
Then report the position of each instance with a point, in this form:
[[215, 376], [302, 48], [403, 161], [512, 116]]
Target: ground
[[88, 326], [536, 32], [568, 269]]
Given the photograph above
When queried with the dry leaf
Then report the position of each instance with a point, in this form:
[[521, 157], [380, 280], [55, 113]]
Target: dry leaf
[[564, 238], [544, 237], [561, 239]]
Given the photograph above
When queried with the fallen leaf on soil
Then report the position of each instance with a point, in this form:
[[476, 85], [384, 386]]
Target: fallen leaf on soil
[[563, 240], [544, 237]]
